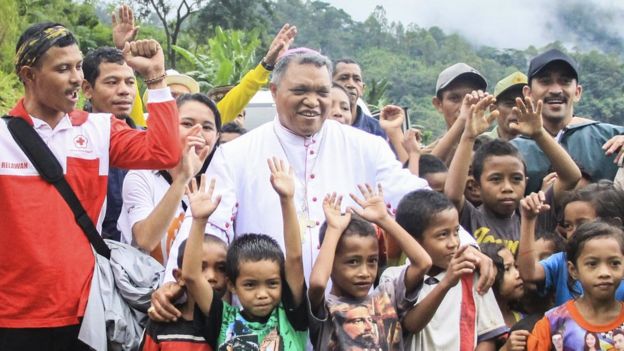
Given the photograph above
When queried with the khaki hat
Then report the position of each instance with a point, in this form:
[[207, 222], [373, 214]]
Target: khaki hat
[[175, 77], [516, 79], [457, 70]]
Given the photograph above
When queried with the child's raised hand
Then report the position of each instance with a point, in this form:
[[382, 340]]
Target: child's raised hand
[[532, 205], [517, 341], [373, 205], [201, 202], [282, 178], [391, 117], [411, 141], [334, 217], [463, 262], [477, 122], [529, 115]]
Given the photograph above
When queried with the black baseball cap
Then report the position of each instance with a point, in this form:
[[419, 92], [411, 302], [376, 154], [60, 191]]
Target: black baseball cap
[[544, 59]]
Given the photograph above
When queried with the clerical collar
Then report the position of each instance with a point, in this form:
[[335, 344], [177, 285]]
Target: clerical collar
[[287, 136]]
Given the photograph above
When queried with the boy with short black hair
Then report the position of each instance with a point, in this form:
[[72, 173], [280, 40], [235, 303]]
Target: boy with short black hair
[[269, 287], [182, 334], [500, 173], [351, 317], [433, 170], [447, 315]]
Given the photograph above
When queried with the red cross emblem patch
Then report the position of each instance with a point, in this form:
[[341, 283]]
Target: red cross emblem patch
[[81, 142]]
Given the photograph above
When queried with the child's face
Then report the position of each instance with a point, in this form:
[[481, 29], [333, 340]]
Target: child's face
[[340, 108], [599, 268], [512, 287], [436, 180], [441, 239], [576, 213], [472, 192], [355, 266], [543, 248], [502, 184], [213, 266], [258, 286]]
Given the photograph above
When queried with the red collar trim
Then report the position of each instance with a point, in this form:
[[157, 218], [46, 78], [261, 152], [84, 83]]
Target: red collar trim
[[77, 117]]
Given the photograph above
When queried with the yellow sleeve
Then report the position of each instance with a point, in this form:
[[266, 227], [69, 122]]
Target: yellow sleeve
[[540, 338], [236, 99], [137, 109]]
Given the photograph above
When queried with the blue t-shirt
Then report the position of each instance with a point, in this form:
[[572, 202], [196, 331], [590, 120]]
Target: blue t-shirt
[[556, 277]]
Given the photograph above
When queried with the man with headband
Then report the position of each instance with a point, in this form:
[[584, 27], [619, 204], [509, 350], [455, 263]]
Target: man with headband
[[47, 263]]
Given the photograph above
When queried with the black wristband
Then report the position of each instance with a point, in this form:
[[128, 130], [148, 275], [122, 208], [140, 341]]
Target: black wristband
[[267, 66]]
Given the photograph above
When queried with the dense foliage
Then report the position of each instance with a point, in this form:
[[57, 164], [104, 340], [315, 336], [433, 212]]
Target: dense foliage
[[400, 63]]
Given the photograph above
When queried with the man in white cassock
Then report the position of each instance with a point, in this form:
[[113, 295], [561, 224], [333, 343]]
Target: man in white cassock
[[326, 157]]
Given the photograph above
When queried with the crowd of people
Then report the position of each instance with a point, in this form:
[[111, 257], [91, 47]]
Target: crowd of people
[[325, 228]]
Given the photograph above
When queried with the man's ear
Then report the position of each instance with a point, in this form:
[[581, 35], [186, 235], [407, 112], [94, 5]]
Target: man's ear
[[273, 89], [437, 103], [578, 93], [26, 74], [87, 89], [526, 91]]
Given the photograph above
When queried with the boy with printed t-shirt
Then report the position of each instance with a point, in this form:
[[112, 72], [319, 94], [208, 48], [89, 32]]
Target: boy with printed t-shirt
[[351, 317], [500, 173], [270, 289], [449, 313]]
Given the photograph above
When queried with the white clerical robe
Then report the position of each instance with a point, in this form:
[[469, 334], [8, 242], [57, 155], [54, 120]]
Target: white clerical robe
[[336, 159]]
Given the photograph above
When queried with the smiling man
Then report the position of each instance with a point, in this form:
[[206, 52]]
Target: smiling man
[[47, 262], [348, 74], [325, 156], [553, 78]]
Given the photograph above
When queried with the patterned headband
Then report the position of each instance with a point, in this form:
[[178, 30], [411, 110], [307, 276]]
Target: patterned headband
[[33, 48]]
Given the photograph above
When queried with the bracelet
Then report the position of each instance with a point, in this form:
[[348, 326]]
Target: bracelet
[[155, 79], [267, 66]]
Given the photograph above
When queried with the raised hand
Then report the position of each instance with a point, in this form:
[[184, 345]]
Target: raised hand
[[280, 44], [146, 57], [391, 117], [462, 263], [411, 141], [548, 181], [201, 202], [614, 145], [194, 155], [529, 115], [478, 121], [532, 205], [334, 217], [469, 100], [124, 29], [282, 178], [373, 208]]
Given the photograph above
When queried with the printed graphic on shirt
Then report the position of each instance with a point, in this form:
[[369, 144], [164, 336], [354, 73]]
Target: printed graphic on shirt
[[486, 236], [240, 337], [370, 325], [566, 334]]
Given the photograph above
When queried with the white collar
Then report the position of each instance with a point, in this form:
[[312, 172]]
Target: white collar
[[287, 136], [64, 123]]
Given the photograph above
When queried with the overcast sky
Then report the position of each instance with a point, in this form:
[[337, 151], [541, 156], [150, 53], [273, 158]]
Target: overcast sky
[[498, 23]]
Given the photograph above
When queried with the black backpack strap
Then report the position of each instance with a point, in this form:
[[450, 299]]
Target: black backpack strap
[[51, 171], [169, 180]]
